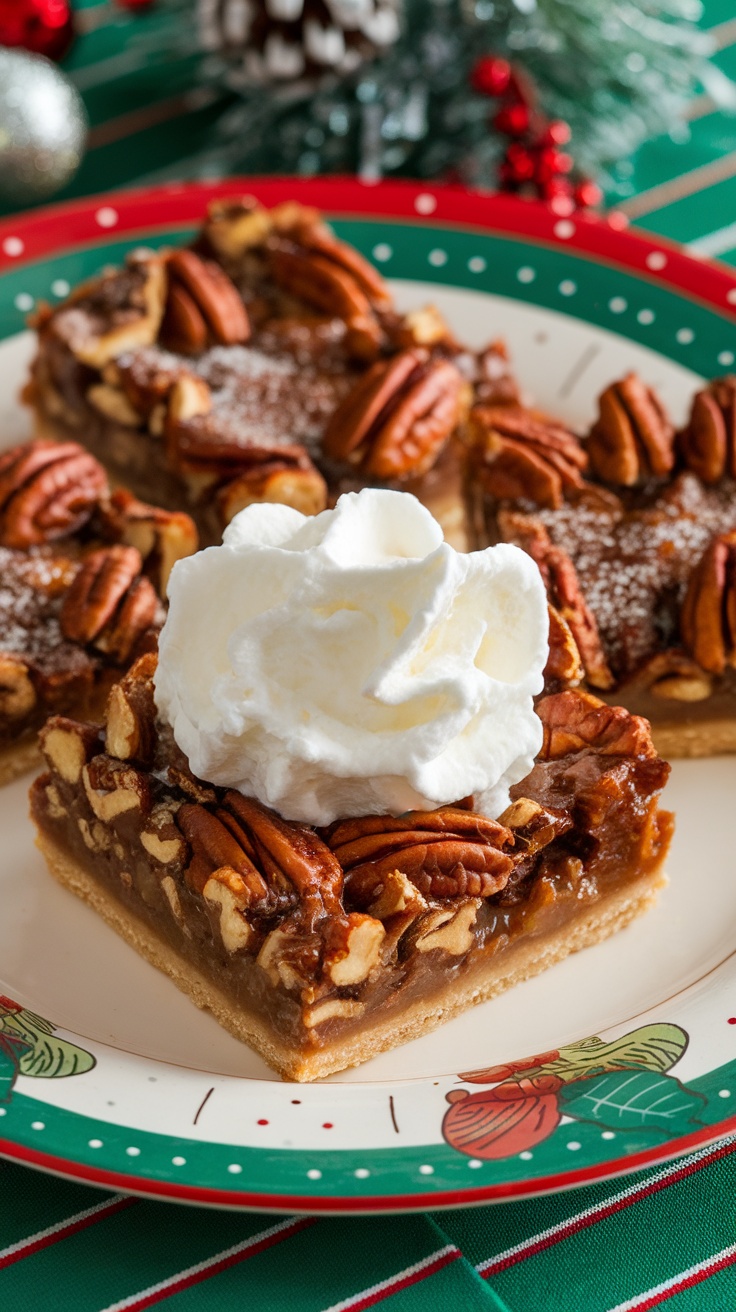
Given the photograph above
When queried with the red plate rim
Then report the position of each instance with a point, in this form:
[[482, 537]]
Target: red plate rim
[[36, 234]]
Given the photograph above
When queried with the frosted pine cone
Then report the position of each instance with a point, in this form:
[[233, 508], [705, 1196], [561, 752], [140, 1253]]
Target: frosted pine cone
[[286, 40]]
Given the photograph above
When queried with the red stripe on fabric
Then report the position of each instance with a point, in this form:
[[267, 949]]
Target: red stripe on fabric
[[584, 1222], [339, 1204], [403, 1282], [687, 1282], [223, 1264], [35, 1244]]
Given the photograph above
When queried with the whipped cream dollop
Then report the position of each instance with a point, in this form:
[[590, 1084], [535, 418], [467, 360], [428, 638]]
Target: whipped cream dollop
[[354, 663]]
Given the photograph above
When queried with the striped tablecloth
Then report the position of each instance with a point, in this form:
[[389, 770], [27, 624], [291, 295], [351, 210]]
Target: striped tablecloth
[[664, 1237]]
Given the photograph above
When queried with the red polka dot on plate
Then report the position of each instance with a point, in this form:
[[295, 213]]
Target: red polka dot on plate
[[261, 1122]]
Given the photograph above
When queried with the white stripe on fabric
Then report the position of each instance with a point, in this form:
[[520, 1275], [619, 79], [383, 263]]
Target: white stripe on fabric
[[385, 1285], [715, 243], [589, 1212], [160, 1288], [675, 1281], [40, 1235]]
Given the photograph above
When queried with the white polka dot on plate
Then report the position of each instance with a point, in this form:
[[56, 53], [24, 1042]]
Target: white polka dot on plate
[[60, 287], [477, 264], [568, 287], [382, 251], [474, 1163], [437, 257], [234, 1168], [617, 304], [426, 1170], [608, 1134], [724, 1093], [646, 316], [526, 1157], [361, 1173], [94, 1143], [23, 302], [425, 203], [525, 274], [685, 336], [133, 1152], [656, 260], [106, 216], [314, 1174], [573, 1145], [13, 246], [726, 357], [178, 1161], [564, 229], [730, 296], [37, 1125]]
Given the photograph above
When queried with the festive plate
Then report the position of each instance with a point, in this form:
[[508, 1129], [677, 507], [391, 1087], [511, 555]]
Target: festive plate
[[108, 1074]]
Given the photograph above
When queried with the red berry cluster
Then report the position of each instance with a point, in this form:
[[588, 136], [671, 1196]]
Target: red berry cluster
[[534, 162]]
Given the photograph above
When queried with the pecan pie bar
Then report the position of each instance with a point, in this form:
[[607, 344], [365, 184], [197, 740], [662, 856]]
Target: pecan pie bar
[[81, 572], [634, 531], [265, 363], [322, 948]]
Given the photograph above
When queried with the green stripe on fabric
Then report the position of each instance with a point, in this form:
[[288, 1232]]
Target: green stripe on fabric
[[693, 216], [650, 1238], [716, 1294], [31, 1201]]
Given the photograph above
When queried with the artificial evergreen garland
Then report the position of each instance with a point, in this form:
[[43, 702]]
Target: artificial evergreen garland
[[618, 71]]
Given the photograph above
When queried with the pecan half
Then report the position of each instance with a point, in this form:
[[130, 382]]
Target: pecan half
[[708, 443], [445, 853], [566, 598], [109, 604], [632, 438], [573, 720], [396, 420], [564, 663], [47, 490], [203, 303], [308, 261], [520, 455], [17, 693], [708, 616]]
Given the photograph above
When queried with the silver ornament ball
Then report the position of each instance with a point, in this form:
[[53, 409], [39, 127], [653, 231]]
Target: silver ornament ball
[[43, 128]]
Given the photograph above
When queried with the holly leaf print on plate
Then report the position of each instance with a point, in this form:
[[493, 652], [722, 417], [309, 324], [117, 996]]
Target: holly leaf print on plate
[[634, 1100]]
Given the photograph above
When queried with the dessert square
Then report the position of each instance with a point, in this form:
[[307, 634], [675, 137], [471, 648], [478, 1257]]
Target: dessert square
[[265, 363], [271, 812], [634, 531], [322, 947], [82, 573]]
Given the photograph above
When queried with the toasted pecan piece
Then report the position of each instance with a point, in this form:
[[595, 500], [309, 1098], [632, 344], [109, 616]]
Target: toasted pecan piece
[[120, 311], [47, 490], [520, 455], [445, 853], [398, 417], [290, 483], [708, 616], [633, 438], [708, 442], [161, 536]]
